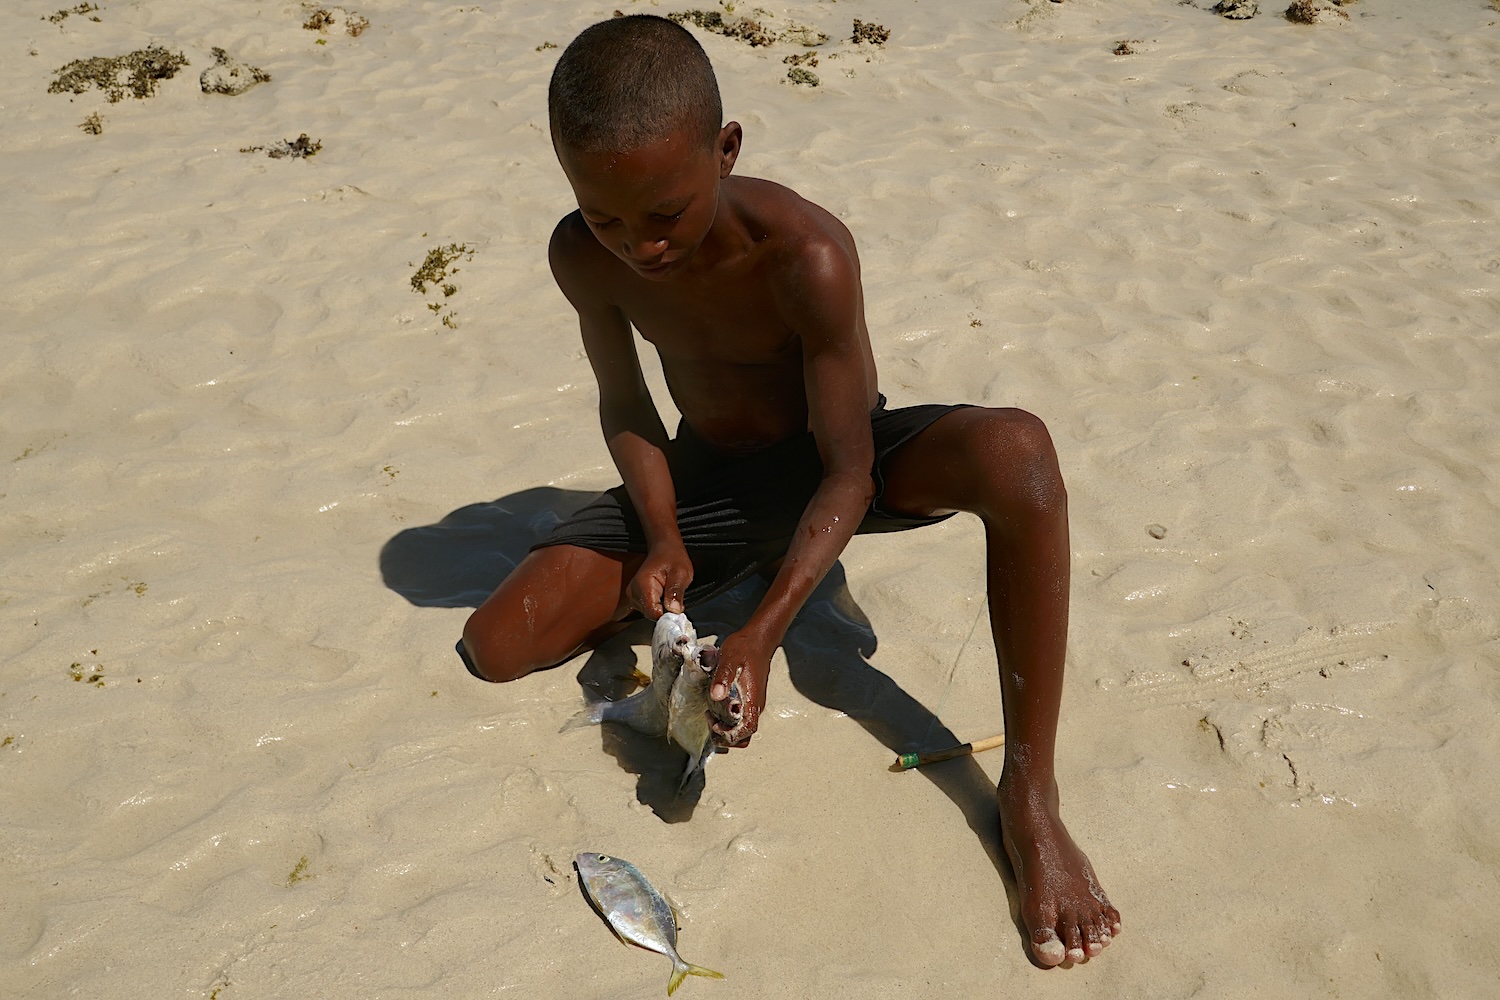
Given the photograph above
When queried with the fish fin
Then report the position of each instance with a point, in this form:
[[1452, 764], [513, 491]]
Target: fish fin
[[695, 765], [641, 678], [681, 970]]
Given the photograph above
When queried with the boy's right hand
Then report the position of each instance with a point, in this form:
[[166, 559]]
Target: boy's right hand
[[659, 584]]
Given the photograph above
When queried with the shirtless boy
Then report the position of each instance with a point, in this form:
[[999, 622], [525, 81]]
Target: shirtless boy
[[751, 296]]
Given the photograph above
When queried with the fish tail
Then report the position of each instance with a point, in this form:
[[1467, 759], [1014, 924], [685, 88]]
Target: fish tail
[[591, 714], [681, 970], [641, 712]]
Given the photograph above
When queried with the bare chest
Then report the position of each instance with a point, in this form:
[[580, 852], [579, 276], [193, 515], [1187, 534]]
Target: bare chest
[[727, 327]]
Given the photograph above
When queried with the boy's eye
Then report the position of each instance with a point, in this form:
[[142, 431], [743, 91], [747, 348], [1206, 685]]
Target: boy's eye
[[670, 218]]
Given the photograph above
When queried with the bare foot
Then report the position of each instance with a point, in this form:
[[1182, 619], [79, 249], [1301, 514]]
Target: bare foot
[[1066, 913]]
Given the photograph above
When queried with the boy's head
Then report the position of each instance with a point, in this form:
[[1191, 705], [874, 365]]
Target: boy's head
[[627, 82], [635, 115]]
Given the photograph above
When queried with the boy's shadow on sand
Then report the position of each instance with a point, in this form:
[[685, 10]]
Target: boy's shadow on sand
[[460, 560]]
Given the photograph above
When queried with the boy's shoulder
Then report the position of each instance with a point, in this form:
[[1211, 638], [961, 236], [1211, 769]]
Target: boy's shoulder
[[786, 217]]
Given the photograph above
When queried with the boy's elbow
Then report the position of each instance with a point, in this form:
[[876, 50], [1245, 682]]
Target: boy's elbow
[[858, 481]]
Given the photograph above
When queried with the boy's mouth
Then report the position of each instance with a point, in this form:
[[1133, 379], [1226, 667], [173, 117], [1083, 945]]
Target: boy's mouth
[[660, 267]]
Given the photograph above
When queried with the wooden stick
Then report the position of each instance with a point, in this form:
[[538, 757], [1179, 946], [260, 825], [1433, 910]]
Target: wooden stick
[[907, 761]]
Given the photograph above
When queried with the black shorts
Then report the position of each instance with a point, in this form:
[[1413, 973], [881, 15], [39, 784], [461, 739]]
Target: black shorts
[[737, 513]]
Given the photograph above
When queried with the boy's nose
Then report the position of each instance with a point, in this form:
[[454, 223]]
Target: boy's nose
[[645, 249]]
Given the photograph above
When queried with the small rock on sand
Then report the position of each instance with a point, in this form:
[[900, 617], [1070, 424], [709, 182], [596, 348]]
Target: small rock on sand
[[1237, 10], [230, 76], [1316, 11]]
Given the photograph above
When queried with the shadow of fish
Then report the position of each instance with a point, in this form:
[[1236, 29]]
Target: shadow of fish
[[675, 704], [635, 911]]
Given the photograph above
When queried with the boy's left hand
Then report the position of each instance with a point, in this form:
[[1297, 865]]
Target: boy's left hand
[[744, 662]]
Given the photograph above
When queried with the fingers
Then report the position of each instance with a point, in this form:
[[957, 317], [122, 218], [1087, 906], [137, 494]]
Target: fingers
[[659, 585], [735, 727], [735, 738], [645, 595], [725, 674], [677, 580]]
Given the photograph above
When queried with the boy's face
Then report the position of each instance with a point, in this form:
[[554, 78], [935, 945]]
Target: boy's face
[[652, 207]]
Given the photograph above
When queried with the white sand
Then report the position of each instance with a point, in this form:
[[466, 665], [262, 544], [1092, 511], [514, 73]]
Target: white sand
[[1248, 274]]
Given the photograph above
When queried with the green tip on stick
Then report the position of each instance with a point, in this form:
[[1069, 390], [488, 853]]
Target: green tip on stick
[[907, 761]]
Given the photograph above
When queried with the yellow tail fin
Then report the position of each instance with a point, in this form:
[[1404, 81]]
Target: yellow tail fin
[[681, 972]]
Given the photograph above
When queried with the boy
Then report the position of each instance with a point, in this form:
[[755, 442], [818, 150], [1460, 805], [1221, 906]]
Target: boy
[[752, 298]]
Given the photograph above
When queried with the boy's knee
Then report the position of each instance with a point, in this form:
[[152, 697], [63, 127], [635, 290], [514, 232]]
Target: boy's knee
[[1016, 449], [488, 659]]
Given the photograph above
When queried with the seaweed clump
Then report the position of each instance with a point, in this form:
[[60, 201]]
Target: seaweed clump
[[436, 270], [748, 30], [745, 29], [146, 68], [82, 675], [93, 124], [298, 872], [299, 148], [330, 17], [869, 31], [66, 12], [803, 77]]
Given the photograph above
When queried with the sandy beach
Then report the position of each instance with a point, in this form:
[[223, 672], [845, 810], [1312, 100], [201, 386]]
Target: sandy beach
[[254, 476]]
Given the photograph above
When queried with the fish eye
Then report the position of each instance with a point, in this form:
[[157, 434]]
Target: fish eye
[[603, 857]]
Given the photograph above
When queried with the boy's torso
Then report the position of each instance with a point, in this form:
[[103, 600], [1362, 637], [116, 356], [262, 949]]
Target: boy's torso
[[727, 332]]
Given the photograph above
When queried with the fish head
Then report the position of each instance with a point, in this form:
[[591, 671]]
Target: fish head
[[690, 689], [672, 644], [705, 657], [593, 866]]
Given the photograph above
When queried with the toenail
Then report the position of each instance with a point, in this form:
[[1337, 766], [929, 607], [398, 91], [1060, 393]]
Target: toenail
[[1050, 951]]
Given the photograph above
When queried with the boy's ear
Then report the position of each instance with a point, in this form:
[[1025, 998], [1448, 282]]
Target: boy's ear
[[730, 137]]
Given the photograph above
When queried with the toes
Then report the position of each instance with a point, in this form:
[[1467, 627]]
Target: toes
[[1091, 939], [1073, 939], [1112, 921], [1049, 950]]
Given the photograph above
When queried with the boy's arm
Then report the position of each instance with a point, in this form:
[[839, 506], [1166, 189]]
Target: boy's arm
[[632, 427], [823, 293]]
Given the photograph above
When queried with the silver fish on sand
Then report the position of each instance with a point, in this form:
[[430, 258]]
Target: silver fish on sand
[[675, 703], [635, 911]]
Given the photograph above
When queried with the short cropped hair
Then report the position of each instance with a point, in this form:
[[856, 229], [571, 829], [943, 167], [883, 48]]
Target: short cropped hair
[[629, 82]]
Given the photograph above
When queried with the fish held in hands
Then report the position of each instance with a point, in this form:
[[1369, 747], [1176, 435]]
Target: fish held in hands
[[688, 710], [635, 911], [646, 711], [675, 704]]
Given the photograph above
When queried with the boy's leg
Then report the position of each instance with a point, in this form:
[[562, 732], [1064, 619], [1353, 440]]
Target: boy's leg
[[1000, 465], [560, 601]]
